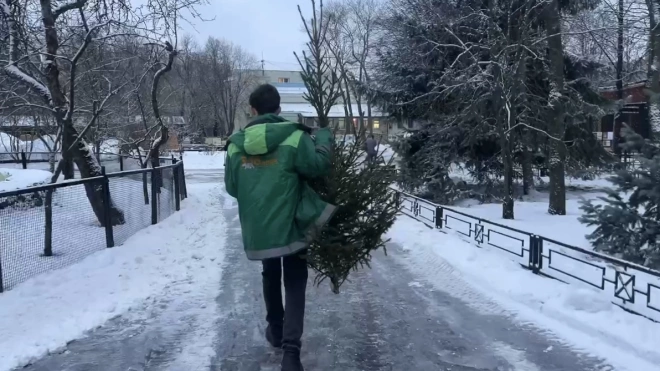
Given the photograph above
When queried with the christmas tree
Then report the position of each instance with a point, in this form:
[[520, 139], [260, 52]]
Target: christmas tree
[[628, 221], [367, 206], [367, 209]]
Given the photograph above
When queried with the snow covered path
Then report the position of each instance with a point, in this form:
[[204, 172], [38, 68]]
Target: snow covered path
[[387, 318], [395, 316]]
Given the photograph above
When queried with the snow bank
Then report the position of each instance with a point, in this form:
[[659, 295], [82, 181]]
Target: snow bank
[[18, 178], [47, 311], [204, 160], [533, 217], [583, 317]]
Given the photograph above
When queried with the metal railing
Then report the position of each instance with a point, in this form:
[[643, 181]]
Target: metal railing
[[51, 226], [632, 287]]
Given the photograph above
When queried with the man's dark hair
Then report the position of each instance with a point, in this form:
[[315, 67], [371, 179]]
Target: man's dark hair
[[371, 136], [265, 99]]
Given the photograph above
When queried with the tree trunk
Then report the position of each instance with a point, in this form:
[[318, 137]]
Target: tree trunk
[[653, 72], [347, 102], [68, 171], [51, 162], [527, 171], [507, 160], [97, 149], [370, 119], [557, 204], [619, 76], [504, 118], [89, 167]]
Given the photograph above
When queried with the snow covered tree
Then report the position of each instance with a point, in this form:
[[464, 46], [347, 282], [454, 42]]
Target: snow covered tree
[[367, 207], [478, 77], [628, 219]]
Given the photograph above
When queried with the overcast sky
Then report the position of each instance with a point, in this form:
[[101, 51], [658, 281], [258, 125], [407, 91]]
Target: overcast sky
[[271, 27]]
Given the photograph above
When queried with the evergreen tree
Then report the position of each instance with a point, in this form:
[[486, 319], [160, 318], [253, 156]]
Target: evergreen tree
[[367, 206], [367, 209], [476, 76], [629, 227]]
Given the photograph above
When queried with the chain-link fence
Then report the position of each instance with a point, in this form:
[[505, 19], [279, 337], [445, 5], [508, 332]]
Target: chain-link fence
[[52, 226]]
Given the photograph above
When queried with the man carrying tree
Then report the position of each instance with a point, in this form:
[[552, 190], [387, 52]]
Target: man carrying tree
[[267, 164]]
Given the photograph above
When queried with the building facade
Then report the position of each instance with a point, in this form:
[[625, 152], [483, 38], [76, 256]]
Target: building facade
[[634, 113], [294, 107]]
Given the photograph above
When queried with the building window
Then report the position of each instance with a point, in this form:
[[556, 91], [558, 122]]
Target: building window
[[341, 123], [283, 80], [375, 124]]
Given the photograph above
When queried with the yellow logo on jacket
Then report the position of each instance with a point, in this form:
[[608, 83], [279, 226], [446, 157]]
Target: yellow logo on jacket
[[251, 162]]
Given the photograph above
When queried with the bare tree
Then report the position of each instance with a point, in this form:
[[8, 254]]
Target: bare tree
[[318, 74], [242, 76], [45, 58]]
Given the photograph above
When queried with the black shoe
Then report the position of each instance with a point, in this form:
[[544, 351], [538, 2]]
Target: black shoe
[[274, 340], [291, 359]]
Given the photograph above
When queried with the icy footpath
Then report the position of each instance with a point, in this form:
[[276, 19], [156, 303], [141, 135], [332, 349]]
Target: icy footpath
[[576, 316], [178, 259]]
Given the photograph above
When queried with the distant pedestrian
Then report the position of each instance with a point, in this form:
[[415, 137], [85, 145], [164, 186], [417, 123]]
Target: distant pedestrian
[[279, 213], [370, 147]]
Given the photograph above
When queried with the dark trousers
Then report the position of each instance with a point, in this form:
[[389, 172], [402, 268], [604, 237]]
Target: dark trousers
[[286, 321]]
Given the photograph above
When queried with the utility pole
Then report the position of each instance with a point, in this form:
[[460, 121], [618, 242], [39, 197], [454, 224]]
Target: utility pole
[[263, 70]]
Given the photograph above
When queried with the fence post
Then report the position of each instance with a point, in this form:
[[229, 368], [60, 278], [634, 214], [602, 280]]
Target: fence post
[[177, 186], [532, 252], [184, 189], [439, 217], [539, 262], [48, 223], [535, 253], [107, 211], [154, 196], [173, 159], [23, 160], [121, 162], [1, 284]]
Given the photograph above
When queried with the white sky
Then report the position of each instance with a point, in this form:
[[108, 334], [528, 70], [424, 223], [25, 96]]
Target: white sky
[[271, 27]]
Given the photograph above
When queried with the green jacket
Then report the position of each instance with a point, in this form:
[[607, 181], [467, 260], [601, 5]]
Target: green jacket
[[265, 167]]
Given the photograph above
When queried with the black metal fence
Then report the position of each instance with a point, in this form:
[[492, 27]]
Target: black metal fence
[[52, 226], [632, 287]]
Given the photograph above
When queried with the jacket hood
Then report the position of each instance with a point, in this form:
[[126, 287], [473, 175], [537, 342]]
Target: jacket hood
[[264, 134]]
